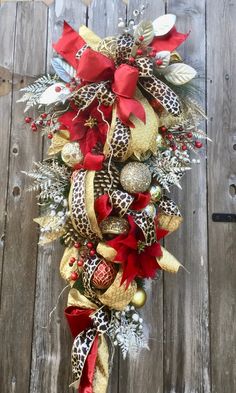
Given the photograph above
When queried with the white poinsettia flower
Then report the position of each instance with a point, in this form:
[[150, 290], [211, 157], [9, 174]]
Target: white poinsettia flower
[[163, 24], [55, 93]]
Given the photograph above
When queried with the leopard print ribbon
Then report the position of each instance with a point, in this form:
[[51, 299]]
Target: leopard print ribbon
[[146, 224], [121, 201], [162, 93], [84, 342]]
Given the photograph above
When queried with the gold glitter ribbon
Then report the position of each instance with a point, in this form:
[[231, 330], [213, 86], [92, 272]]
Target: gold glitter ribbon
[[168, 262], [118, 296], [59, 140], [89, 203], [143, 136], [89, 37]]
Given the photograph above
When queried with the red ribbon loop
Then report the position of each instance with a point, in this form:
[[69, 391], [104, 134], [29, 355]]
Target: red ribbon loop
[[95, 67]]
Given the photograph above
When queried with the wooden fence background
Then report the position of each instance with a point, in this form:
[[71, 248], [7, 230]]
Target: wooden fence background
[[191, 317]]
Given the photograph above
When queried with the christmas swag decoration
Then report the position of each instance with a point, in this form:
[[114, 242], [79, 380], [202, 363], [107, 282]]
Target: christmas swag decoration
[[122, 123]]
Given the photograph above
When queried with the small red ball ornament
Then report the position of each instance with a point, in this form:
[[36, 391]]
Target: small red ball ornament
[[163, 129], [139, 52], [189, 134], [44, 115], [92, 253], [77, 245], [28, 119], [169, 136], [141, 38], [152, 54], [198, 144], [184, 147], [131, 60], [72, 259], [74, 276], [104, 275], [50, 136], [90, 245], [33, 127], [57, 89], [80, 263]]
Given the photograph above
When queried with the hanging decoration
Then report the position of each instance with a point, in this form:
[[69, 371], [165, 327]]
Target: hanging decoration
[[122, 123]]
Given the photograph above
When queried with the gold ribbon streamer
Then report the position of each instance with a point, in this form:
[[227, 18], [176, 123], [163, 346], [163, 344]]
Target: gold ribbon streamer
[[89, 36], [101, 375], [168, 262], [89, 203]]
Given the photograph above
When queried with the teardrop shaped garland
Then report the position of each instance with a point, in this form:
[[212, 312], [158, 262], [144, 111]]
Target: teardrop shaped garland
[[122, 124]]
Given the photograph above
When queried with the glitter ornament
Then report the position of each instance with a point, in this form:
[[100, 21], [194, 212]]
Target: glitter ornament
[[139, 298], [135, 177], [114, 226], [155, 192], [71, 154], [104, 275]]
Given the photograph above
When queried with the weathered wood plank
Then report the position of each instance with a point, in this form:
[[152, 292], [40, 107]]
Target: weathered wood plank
[[145, 372], [186, 346], [21, 238], [221, 31], [51, 363], [7, 32]]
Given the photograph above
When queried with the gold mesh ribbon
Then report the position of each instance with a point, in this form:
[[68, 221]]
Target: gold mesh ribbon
[[168, 262], [143, 136], [168, 222], [118, 296], [89, 203], [65, 269]]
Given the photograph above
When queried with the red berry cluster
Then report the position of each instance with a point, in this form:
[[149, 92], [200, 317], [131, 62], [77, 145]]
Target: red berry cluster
[[44, 120], [87, 249], [143, 52], [179, 138]]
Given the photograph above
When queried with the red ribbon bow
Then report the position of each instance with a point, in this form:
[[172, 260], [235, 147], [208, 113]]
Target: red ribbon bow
[[95, 67]]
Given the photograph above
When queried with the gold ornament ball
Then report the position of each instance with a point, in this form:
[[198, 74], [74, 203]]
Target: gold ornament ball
[[139, 298], [71, 154], [114, 226], [156, 193], [135, 177]]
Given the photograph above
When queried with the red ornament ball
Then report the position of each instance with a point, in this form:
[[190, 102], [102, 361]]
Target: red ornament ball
[[104, 275], [139, 52], [44, 115], [141, 38], [33, 127], [74, 276], [198, 144], [77, 245], [163, 129], [189, 135], [28, 119], [50, 136], [184, 147], [80, 263], [131, 60], [57, 89]]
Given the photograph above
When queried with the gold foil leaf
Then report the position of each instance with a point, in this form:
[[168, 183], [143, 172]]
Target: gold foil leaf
[[168, 262]]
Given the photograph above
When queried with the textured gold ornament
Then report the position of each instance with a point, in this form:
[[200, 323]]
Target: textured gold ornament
[[139, 298], [114, 226], [135, 177], [156, 193], [71, 154]]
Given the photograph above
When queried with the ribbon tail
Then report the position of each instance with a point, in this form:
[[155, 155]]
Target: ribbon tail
[[86, 382], [128, 106]]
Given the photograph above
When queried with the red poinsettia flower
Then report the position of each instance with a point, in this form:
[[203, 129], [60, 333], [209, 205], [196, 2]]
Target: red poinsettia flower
[[88, 127], [138, 259]]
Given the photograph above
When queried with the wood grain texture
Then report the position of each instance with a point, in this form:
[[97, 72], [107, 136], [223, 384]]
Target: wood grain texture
[[51, 350], [18, 289], [147, 368], [221, 174], [186, 346]]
